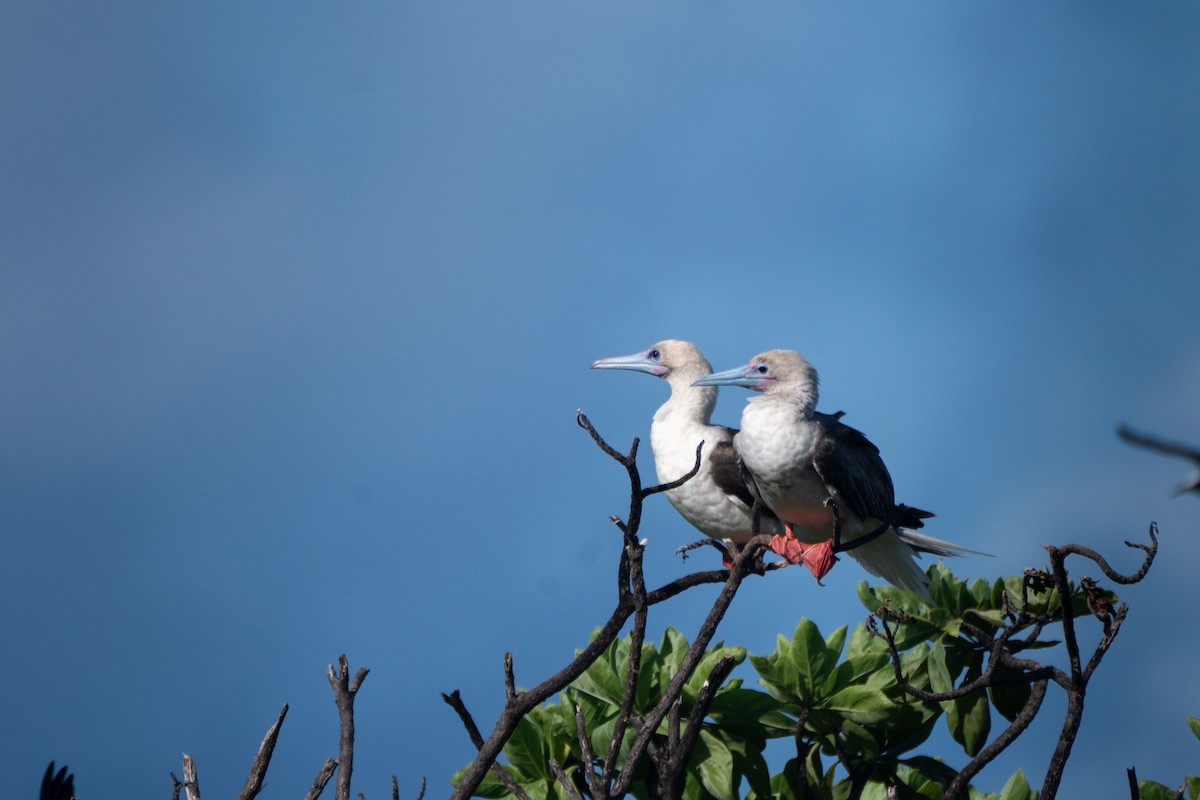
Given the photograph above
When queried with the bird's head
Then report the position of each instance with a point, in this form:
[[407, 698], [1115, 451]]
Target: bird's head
[[671, 359], [775, 372]]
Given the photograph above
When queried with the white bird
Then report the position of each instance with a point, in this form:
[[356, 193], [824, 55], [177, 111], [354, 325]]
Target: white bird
[[717, 501], [808, 467]]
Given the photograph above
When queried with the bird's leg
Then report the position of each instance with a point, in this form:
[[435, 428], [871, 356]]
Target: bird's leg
[[836, 540]]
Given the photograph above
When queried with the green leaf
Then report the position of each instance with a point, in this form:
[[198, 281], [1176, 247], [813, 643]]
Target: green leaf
[[861, 704], [716, 766], [811, 659], [836, 642], [1009, 699], [940, 679], [1152, 790], [525, 752], [601, 680], [969, 718], [786, 785], [928, 776], [1194, 724], [859, 741], [744, 712], [748, 763], [863, 643], [1017, 788], [857, 669], [707, 662], [1193, 787], [673, 649]]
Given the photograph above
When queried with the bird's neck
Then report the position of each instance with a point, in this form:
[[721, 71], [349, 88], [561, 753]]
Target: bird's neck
[[687, 405], [792, 407]]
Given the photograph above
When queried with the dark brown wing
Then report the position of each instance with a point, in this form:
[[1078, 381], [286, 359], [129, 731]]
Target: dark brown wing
[[848, 462], [726, 469]]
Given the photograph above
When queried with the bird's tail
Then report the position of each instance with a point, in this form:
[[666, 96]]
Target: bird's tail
[[893, 559], [927, 544]]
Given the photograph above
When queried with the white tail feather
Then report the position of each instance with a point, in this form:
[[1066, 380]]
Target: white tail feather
[[892, 559], [927, 544]]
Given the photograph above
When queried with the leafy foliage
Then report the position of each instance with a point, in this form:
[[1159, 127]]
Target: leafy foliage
[[836, 696]]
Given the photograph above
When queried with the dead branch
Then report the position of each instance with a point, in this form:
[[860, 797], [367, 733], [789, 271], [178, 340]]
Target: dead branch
[[344, 691], [454, 700], [318, 784], [191, 783], [258, 770]]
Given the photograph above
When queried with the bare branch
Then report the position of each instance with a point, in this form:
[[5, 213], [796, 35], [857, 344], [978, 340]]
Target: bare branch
[[510, 681], [625, 460], [1151, 550], [596, 783], [681, 751], [563, 780], [998, 745], [318, 784], [675, 484], [258, 770], [683, 550], [454, 700], [344, 691], [191, 783]]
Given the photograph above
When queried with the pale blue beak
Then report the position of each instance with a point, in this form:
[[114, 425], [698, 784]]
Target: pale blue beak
[[638, 362], [738, 376]]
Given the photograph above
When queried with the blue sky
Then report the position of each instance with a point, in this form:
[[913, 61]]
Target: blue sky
[[297, 303]]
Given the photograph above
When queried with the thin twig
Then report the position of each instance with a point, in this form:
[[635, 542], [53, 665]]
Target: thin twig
[[454, 700], [681, 752], [510, 681], [675, 484], [1151, 550], [597, 784], [563, 780]]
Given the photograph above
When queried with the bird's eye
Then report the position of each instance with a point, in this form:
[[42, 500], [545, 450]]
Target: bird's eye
[[654, 354], [761, 369]]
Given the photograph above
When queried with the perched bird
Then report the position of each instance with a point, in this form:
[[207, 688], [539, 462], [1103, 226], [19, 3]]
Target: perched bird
[[718, 501], [821, 477]]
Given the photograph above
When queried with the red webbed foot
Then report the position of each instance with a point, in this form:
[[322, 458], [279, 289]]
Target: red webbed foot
[[819, 558]]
